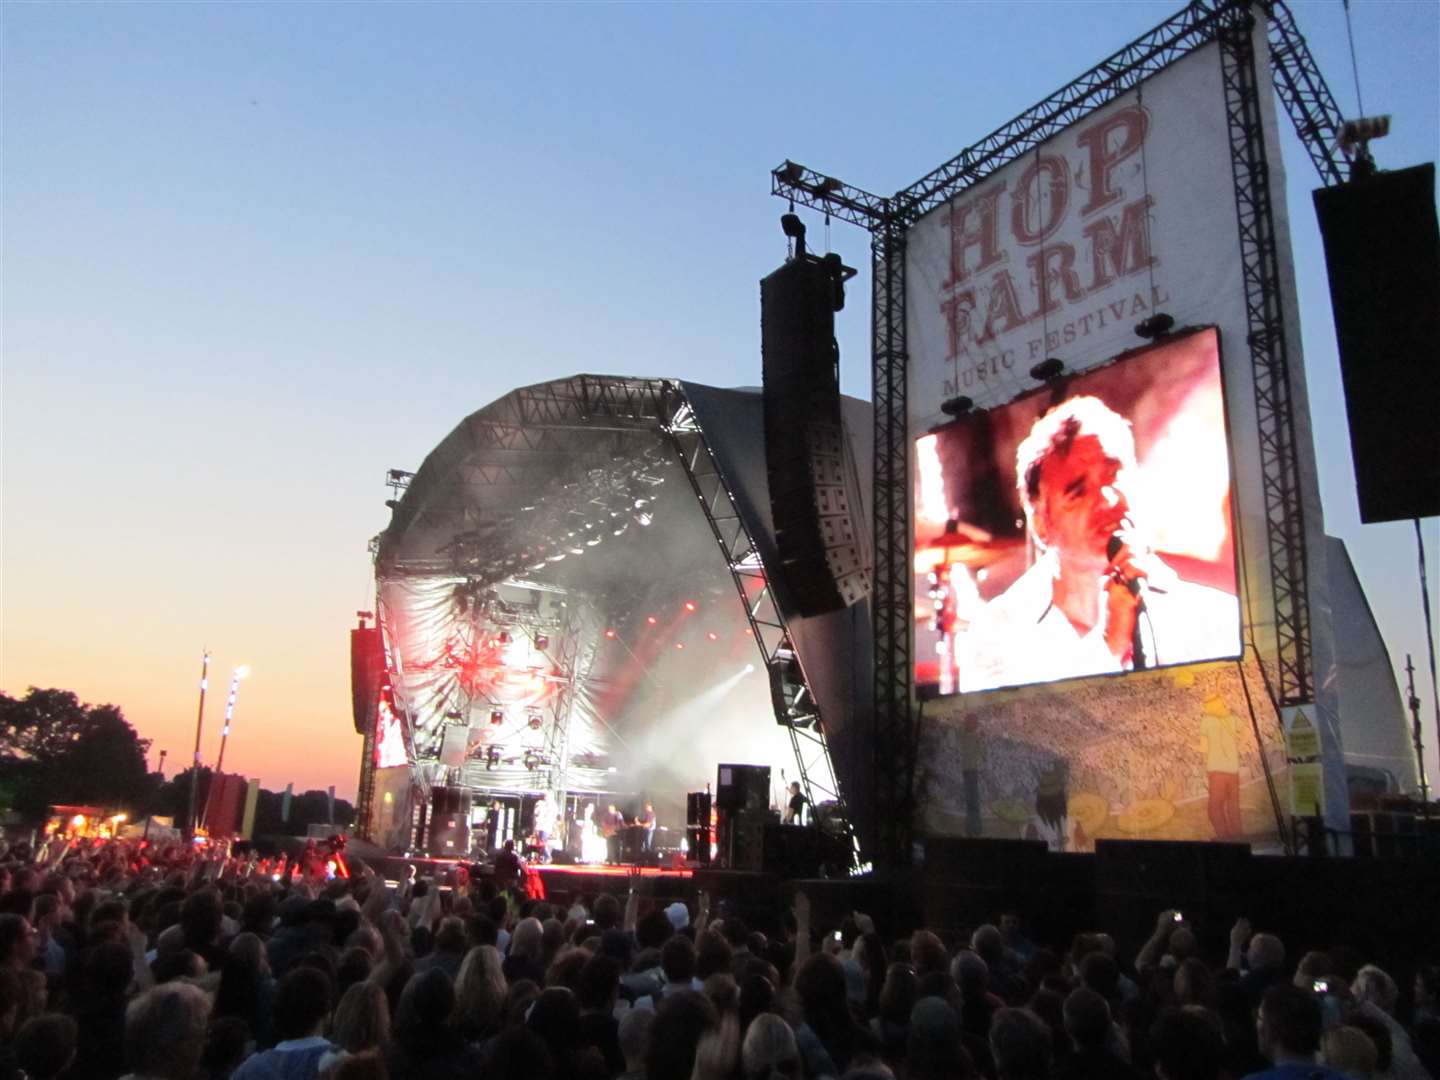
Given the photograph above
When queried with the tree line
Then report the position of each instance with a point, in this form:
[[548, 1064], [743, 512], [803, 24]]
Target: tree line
[[56, 750]]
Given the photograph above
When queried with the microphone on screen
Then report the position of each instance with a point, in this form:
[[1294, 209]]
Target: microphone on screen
[[1136, 585]]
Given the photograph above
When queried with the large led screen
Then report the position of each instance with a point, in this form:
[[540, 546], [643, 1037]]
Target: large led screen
[[1083, 529]]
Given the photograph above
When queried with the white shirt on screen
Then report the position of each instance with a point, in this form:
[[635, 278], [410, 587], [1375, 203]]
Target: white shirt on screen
[[1021, 637]]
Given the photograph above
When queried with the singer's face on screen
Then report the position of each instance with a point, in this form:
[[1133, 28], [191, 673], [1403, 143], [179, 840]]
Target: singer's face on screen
[[1081, 501]]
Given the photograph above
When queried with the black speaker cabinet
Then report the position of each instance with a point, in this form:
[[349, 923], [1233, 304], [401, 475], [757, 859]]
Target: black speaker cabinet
[[814, 495], [449, 821], [1382, 250], [743, 788]]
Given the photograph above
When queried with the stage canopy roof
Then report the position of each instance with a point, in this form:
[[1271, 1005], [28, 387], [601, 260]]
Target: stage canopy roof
[[551, 586]]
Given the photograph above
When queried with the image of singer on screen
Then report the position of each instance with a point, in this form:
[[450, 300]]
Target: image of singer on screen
[[1097, 599]]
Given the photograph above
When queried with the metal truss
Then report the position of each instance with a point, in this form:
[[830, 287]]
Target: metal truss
[[557, 739], [805, 186], [796, 708], [896, 730], [1317, 120], [1270, 364], [365, 797], [1305, 95]]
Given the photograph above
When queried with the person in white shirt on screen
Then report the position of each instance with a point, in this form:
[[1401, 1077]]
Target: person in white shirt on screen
[[1097, 600]]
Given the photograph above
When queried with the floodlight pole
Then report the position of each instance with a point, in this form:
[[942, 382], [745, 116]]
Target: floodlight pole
[[199, 730], [229, 715], [1414, 703]]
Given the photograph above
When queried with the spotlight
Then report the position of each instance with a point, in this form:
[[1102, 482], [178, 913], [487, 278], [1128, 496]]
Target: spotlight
[[679, 644], [1156, 326], [689, 605], [497, 717], [749, 668], [957, 406], [542, 641], [651, 619], [1047, 370], [535, 721], [610, 633], [713, 636]]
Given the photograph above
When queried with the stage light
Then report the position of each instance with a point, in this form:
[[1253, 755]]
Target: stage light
[[535, 721], [651, 619], [497, 717], [1156, 326], [689, 605], [749, 668], [679, 644], [542, 641], [713, 636], [957, 406], [1047, 370], [750, 631], [610, 633]]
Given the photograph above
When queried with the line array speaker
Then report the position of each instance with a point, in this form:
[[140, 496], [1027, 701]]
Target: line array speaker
[[814, 498], [1382, 251]]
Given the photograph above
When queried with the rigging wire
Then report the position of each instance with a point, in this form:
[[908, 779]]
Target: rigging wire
[[1354, 64]]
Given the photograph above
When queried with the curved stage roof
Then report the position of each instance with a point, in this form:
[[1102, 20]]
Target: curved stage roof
[[554, 599]]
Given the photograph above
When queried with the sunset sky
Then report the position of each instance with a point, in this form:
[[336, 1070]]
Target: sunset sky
[[256, 254]]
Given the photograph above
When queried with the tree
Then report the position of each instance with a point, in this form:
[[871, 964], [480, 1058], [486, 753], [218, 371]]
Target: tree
[[54, 749]]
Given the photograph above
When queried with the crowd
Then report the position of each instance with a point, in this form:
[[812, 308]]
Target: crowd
[[120, 960]]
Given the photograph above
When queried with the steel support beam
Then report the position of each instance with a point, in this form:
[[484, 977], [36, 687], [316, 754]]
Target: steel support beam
[[1270, 364]]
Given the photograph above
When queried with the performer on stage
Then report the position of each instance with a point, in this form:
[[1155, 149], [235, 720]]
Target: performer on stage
[[647, 822], [611, 826], [544, 826], [592, 843], [795, 808]]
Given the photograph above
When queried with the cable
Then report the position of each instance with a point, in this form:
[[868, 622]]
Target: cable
[[1286, 838], [1429, 627], [1354, 65]]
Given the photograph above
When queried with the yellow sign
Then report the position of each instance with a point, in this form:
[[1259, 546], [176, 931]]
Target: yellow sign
[[1302, 740], [1307, 790]]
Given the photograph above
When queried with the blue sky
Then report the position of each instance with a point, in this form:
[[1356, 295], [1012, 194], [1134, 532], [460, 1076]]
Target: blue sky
[[256, 254]]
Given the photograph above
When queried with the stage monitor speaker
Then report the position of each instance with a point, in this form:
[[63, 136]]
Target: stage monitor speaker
[[367, 673], [1382, 251], [449, 821], [697, 839], [814, 496], [743, 788], [697, 809]]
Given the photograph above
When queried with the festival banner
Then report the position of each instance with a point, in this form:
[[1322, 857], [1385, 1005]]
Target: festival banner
[[1062, 252]]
